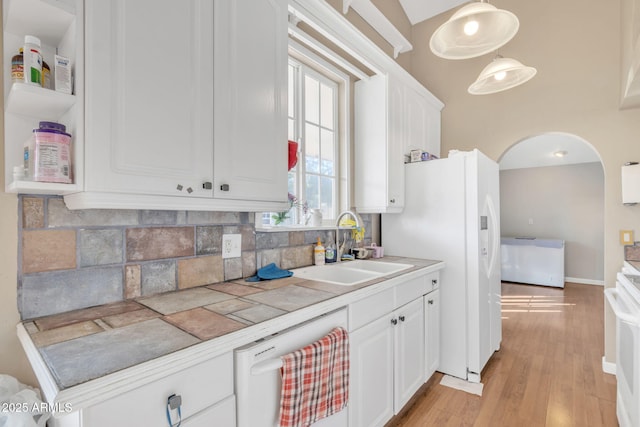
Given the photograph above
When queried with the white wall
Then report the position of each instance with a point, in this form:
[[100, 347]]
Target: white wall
[[563, 202]]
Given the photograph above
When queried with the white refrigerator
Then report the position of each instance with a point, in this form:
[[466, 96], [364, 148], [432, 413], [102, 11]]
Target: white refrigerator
[[452, 213]]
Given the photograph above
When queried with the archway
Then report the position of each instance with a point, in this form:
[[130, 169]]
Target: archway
[[552, 186]]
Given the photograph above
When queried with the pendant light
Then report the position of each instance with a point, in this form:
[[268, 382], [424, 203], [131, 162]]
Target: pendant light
[[474, 30], [501, 74]]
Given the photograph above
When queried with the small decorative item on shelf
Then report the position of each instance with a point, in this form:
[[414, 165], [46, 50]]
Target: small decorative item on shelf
[[421, 156], [281, 217], [313, 218]]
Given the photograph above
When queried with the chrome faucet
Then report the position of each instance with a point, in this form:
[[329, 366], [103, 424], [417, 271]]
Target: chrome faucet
[[359, 224]]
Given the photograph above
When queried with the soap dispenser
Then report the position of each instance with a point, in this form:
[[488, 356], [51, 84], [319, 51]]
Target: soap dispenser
[[318, 253]]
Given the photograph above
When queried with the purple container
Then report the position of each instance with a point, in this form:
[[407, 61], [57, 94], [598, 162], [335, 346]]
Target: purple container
[[52, 126]]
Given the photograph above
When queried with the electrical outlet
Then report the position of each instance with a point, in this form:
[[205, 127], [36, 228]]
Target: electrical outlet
[[231, 245]]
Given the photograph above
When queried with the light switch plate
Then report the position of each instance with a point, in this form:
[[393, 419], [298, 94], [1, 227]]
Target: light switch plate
[[231, 245]]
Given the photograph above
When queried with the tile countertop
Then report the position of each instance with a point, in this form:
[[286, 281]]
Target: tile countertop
[[76, 347]]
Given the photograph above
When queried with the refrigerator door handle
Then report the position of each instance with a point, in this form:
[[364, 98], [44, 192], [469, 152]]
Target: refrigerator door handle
[[495, 238]]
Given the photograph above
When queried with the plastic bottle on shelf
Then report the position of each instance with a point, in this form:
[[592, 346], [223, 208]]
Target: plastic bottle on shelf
[[32, 56], [46, 75], [47, 154], [318, 253], [18, 173], [330, 254], [28, 159], [17, 67]]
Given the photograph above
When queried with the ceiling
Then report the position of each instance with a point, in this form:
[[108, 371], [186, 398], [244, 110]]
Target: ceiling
[[420, 10], [538, 151]]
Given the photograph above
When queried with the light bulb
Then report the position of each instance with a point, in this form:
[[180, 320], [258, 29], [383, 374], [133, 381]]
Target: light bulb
[[500, 75], [471, 27]]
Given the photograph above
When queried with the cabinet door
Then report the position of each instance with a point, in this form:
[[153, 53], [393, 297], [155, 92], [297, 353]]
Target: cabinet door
[[149, 96], [422, 123], [432, 332], [250, 85], [395, 149], [379, 157], [371, 374], [409, 352]]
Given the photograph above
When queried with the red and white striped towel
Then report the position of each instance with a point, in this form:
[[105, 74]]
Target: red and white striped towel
[[315, 380]]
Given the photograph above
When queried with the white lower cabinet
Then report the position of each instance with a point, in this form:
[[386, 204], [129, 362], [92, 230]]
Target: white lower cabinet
[[409, 352], [387, 354], [432, 332], [207, 396]]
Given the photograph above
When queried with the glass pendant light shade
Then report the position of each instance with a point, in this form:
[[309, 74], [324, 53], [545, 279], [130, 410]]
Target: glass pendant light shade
[[475, 29], [501, 74]]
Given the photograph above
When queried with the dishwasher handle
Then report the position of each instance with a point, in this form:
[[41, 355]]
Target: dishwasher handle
[[266, 366]]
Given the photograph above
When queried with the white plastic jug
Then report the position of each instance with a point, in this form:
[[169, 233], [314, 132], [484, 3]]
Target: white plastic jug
[[315, 217]]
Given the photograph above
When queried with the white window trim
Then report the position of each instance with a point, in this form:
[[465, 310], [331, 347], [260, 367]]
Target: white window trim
[[344, 177], [305, 70], [344, 119]]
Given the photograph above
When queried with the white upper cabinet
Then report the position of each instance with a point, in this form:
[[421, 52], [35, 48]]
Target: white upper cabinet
[[379, 178], [149, 127], [393, 115], [422, 123], [185, 105], [250, 150]]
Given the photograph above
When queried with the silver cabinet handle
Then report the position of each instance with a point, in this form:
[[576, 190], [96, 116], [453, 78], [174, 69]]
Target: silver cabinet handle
[[430, 301], [207, 185], [224, 187], [394, 321], [392, 201], [401, 318], [434, 282]]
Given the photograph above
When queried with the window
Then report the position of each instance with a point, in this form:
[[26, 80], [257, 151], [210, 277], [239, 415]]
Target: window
[[313, 108], [315, 105]]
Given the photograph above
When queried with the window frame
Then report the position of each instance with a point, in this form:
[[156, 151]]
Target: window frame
[[320, 67], [300, 135]]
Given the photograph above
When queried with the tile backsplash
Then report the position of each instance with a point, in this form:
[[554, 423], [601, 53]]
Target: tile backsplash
[[76, 259]]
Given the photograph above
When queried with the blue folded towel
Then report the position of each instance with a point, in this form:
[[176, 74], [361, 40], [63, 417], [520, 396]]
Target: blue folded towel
[[269, 272]]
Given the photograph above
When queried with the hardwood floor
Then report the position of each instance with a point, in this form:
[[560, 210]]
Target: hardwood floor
[[548, 371]]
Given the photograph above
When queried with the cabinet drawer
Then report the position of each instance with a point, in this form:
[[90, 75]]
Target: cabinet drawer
[[410, 290], [433, 281], [370, 308], [199, 386]]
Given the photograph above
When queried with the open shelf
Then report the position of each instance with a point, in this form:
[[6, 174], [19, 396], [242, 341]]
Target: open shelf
[[36, 187], [35, 101]]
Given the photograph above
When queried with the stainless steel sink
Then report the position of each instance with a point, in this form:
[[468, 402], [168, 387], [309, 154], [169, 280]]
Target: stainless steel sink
[[349, 273]]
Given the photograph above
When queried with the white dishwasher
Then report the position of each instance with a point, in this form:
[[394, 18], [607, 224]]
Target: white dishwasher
[[257, 371]]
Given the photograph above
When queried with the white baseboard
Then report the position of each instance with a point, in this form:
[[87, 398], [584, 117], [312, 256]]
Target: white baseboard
[[608, 367], [584, 281]]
